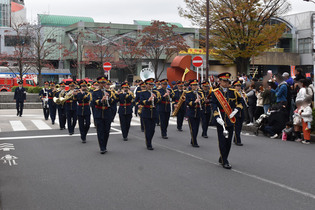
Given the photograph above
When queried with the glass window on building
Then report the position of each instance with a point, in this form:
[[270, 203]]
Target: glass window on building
[[5, 12], [305, 45], [11, 41]]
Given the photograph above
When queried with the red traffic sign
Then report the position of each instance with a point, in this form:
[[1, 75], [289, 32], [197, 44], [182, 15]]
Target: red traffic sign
[[197, 61], [107, 66]]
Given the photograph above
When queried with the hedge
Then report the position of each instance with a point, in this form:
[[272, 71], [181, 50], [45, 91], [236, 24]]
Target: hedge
[[29, 89]]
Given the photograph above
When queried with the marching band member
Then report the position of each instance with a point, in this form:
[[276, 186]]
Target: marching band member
[[125, 98], [92, 105], [137, 103], [103, 100], [138, 88], [164, 107], [157, 87], [194, 101], [71, 108], [83, 97], [52, 106], [149, 99], [239, 117], [61, 107], [228, 102], [182, 110], [113, 106], [206, 109], [43, 96], [19, 98]]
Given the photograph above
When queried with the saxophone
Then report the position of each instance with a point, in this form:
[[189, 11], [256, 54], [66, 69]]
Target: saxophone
[[179, 104]]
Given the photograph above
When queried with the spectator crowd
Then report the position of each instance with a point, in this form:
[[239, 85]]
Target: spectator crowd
[[279, 105]]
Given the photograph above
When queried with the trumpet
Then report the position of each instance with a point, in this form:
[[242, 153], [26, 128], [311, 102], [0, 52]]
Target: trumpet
[[89, 85], [225, 132]]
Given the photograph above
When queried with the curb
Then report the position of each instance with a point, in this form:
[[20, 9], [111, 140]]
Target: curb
[[253, 129]]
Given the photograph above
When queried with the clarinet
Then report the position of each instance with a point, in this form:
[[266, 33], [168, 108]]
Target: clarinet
[[197, 95], [104, 90], [151, 91]]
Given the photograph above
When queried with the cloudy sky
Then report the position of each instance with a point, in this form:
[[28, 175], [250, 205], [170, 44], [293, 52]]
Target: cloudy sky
[[125, 11]]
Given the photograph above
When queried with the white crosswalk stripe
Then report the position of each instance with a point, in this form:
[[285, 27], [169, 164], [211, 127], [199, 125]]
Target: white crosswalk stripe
[[17, 125], [41, 125]]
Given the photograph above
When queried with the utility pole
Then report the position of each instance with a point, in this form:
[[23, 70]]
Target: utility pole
[[207, 41]]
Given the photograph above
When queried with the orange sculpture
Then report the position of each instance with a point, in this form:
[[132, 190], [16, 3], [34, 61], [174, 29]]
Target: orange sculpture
[[177, 69]]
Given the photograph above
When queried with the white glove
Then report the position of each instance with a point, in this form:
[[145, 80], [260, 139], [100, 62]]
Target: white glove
[[233, 113], [220, 121]]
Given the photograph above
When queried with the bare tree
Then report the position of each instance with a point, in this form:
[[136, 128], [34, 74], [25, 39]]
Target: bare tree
[[19, 62], [44, 44]]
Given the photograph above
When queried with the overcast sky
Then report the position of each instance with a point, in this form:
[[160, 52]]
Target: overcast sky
[[125, 11]]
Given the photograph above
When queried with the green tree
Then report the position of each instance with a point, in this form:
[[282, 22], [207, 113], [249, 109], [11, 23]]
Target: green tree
[[239, 29]]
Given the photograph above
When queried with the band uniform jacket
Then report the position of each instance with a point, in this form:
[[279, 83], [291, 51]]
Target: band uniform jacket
[[20, 94], [51, 95], [194, 108], [149, 109], [71, 103], [165, 103], [83, 100], [43, 93], [177, 95], [234, 100], [102, 108], [125, 103], [206, 108], [60, 94]]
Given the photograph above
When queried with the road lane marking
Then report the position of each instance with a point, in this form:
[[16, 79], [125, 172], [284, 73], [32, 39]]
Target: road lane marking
[[41, 125], [116, 132], [17, 125], [283, 186]]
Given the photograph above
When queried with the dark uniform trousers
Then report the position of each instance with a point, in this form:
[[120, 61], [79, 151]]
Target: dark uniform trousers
[[180, 117], [19, 96], [71, 110], [46, 111], [62, 116], [52, 106], [103, 128], [164, 109], [194, 114], [125, 112], [84, 125], [125, 120], [238, 128], [224, 143], [102, 116], [52, 110], [194, 123], [149, 115], [205, 120], [164, 120], [149, 130], [84, 113]]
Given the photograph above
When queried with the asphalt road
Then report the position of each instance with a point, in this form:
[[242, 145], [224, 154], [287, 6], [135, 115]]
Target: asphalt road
[[56, 171]]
